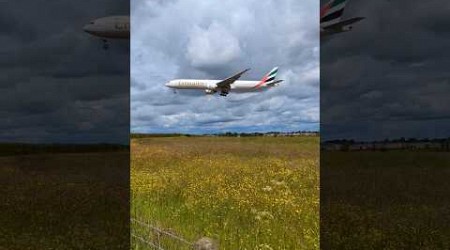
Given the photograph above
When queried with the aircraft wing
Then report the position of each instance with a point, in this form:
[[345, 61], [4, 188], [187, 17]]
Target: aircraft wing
[[340, 25], [225, 84]]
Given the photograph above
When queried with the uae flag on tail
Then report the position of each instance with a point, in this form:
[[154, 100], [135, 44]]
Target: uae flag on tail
[[331, 12]]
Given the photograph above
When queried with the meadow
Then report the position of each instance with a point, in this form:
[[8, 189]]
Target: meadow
[[385, 200], [61, 200], [245, 193]]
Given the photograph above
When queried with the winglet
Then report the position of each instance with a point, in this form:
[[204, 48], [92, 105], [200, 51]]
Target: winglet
[[238, 75]]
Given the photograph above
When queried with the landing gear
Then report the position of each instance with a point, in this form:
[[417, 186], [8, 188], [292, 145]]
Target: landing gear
[[105, 44], [224, 91], [210, 91]]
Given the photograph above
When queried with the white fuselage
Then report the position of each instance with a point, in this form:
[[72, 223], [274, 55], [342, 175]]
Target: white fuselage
[[210, 85], [110, 27]]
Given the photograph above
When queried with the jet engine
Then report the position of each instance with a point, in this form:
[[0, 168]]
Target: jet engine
[[210, 91], [347, 28]]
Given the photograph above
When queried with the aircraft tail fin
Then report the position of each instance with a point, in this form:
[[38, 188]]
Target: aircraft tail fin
[[270, 77], [331, 13]]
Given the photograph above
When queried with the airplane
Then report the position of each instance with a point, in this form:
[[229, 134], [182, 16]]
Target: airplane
[[330, 18], [111, 27], [229, 84]]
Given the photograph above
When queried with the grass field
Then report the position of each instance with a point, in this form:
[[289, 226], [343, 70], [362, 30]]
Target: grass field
[[385, 200], [246, 193], [64, 200]]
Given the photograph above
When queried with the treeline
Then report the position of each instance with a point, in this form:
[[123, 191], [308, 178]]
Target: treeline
[[435, 144], [295, 133], [159, 135], [7, 149], [397, 140], [229, 134]]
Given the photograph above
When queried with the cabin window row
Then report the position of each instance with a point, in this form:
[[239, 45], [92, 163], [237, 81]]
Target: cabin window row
[[191, 84]]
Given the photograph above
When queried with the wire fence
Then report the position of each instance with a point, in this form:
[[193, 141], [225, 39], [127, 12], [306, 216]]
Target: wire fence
[[155, 237], [146, 242], [147, 236]]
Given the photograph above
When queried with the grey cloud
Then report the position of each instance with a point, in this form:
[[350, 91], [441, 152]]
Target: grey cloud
[[389, 75], [58, 85]]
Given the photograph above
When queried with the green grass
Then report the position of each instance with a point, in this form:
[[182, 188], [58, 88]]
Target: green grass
[[21, 149], [64, 201], [247, 193], [385, 200]]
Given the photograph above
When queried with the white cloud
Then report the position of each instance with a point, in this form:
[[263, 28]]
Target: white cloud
[[212, 46]]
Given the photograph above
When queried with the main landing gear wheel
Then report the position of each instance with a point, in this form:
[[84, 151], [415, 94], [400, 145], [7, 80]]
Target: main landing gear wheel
[[105, 44]]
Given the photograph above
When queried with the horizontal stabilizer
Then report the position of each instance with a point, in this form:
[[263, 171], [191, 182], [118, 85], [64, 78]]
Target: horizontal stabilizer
[[274, 83], [342, 24]]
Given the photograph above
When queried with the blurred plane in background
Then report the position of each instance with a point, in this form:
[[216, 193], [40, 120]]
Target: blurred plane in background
[[111, 27], [330, 18]]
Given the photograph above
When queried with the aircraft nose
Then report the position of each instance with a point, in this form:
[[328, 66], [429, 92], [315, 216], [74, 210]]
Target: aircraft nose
[[87, 28], [169, 84]]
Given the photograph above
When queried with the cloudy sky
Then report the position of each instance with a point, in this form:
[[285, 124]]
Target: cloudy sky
[[388, 77], [214, 40], [57, 84]]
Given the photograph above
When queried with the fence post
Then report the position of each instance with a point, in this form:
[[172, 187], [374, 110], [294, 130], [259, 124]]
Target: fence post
[[206, 243]]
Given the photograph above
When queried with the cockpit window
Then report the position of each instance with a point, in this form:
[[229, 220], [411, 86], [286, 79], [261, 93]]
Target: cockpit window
[[92, 22]]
